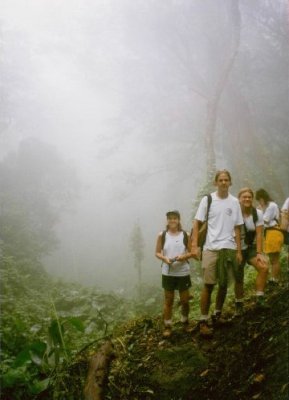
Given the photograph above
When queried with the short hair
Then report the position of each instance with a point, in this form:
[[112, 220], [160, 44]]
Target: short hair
[[223, 171], [263, 194], [244, 190]]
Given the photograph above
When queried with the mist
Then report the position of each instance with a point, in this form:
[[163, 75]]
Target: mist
[[118, 94]]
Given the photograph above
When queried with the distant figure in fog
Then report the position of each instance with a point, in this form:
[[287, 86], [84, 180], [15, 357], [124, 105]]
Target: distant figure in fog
[[273, 235], [173, 248]]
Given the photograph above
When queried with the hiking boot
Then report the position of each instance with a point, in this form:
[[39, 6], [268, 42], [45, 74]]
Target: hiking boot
[[167, 332], [239, 310], [205, 330], [260, 303], [186, 327], [217, 319], [273, 283]]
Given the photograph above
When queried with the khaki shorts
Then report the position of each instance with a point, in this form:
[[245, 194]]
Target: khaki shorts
[[209, 266]]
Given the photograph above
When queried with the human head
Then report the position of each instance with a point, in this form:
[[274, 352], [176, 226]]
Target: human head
[[262, 196], [223, 171], [173, 212], [244, 190], [174, 219], [246, 196]]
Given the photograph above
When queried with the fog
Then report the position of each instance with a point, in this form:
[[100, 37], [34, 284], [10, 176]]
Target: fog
[[121, 90]]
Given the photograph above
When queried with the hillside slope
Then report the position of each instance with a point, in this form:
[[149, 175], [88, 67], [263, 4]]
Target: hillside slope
[[246, 359]]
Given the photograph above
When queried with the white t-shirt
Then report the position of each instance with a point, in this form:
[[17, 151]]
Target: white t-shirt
[[173, 247], [286, 207], [224, 215], [271, 215], [250, 226]]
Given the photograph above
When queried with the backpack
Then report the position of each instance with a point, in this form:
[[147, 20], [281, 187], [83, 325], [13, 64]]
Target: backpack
[[204, 226], [250, 235], [185, 239]]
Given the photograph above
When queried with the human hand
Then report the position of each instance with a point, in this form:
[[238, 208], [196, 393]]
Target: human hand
[[167, 260], [261, 260], [195, 252], [239, 257]]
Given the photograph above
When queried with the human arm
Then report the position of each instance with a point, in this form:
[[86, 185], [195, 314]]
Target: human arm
[[259, 239], [195, 250], [200, 217], [259, 244], [159, 251], [237, 230], [285, 206]]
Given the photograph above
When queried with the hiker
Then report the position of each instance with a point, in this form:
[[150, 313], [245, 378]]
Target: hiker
[[273, 235], [222, 249], [284, 225], [173, 248], [252, 250]]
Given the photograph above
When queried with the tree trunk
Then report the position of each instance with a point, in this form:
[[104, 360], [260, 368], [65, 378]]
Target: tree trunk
[[97, 372], [214, 100]]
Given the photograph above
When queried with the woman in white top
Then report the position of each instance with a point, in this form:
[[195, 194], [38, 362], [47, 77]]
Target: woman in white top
[[273, 235], [252, 249], [173, 248]]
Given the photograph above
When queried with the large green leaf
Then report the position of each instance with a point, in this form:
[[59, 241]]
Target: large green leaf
[[39, 386], [22, 358], [77, 323], [14, 376], [32, 352], [54, 332]]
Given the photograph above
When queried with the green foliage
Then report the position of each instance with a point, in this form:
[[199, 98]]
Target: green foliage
[[46, 325]]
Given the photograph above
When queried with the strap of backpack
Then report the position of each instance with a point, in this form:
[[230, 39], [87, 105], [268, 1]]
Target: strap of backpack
[[255, 219], [255, 215], [209, 205], [163, 238], [186, 239]]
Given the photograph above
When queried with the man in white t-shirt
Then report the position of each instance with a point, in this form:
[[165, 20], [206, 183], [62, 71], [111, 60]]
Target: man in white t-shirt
[[222, 248]]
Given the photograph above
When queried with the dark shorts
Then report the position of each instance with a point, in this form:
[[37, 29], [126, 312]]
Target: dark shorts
[[172, 283], [247, 254]]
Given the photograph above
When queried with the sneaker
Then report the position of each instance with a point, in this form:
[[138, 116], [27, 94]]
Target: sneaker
[[167, 332], [239, 310], [205, 330]]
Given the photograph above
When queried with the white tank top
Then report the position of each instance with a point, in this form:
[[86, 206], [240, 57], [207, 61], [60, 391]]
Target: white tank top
[[173, 247]]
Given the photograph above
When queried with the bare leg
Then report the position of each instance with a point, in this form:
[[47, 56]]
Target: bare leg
[[262, 269], [206, 298], [168, 304], [274, 258], [184, 298]]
